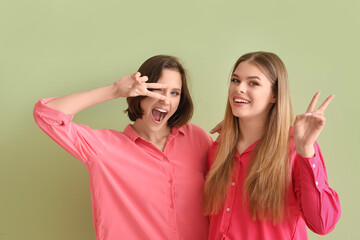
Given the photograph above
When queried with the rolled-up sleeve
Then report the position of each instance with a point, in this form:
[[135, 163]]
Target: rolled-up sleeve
[[79, 140], [320, 204]]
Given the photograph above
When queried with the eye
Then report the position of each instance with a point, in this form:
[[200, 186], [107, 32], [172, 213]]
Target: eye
[[175, 93], [254, 84], [234, 80]]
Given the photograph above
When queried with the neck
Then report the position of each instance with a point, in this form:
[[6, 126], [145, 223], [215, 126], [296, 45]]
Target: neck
[[251, 130], [153, 134]]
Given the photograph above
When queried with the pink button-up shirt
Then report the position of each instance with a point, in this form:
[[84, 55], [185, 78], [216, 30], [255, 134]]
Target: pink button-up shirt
[[311, 202], [137, 191]]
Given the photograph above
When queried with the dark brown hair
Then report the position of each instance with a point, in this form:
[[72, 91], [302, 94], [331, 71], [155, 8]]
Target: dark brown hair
[[152, 68]]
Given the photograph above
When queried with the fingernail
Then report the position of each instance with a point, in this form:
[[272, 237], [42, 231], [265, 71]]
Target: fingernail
[[308, 114]]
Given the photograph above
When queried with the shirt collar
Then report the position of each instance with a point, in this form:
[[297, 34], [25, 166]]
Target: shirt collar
[[252, 146], [249, 149], [130, 132]]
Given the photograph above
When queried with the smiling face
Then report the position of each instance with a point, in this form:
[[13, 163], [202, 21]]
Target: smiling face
[[250, 92], [156, 113]]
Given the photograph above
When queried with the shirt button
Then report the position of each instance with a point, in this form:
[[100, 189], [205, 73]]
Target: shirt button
[[228, 209], [313, 165], [233, 183], [170, 180], [316, 182], [171, 205]]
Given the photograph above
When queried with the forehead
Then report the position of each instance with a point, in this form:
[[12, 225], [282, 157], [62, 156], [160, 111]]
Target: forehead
[[170, 77], [246, 69]]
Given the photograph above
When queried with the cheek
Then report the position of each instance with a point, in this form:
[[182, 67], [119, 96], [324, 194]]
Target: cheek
[[145, 104], [230, 90], [229, 93], [175, 105]]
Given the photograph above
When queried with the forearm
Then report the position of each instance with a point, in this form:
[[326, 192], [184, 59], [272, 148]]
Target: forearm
[[319, 202], [74, 103]]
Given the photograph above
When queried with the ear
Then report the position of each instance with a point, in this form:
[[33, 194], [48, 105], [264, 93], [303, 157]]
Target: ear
[[273, 99]]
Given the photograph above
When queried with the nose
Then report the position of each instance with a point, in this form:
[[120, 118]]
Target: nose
[[241, 88], [167, 95]]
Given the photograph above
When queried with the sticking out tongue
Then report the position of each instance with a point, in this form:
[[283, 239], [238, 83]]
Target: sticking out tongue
[[158, 116]]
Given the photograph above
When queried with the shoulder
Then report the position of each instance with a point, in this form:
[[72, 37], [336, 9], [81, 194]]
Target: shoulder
[[191, 128], [212, 153], [195, 134]]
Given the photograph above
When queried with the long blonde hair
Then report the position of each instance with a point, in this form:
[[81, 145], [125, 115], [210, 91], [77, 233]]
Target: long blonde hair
[[268, 173]]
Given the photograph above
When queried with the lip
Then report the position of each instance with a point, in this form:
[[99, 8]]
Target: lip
[[240, 103]]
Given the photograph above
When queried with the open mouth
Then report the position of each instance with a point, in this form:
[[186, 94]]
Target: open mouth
[[158, 115], [240, 100]]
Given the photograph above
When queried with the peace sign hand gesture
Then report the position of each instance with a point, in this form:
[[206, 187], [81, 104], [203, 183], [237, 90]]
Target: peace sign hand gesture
[[308, 126], [135, 85]]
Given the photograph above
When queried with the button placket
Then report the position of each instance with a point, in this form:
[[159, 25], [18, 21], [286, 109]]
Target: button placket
[[229, 202], [171, 192]]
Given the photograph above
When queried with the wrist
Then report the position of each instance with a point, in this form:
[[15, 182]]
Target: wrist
[[114, 90], [306, 152]]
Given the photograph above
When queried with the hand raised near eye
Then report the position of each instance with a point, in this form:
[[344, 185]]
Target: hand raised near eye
[[135, 85]]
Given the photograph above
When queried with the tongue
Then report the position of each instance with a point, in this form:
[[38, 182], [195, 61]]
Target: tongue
[[156, 114]]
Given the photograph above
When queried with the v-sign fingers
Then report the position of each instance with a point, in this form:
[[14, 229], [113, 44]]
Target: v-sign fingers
[[313, 102], [325, 103], [155, 95], [156, 85]]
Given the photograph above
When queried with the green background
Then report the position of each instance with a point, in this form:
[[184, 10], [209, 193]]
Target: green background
[[53, 48]]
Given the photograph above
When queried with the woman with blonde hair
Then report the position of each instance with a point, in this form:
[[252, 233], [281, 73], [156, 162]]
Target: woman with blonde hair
[[267, 178]]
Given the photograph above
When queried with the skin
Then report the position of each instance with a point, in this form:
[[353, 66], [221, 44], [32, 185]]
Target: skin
[[308, 126], [147, 127], [249, 83], [131, 86]]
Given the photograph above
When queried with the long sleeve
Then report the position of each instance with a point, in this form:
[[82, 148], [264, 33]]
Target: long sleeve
[[77, 139], [319, 203]]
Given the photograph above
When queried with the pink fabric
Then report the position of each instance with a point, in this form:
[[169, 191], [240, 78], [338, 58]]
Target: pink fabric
[[137, 191], [311, 202]]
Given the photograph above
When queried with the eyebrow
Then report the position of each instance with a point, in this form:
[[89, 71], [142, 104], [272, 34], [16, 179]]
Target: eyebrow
[[250, 77], [178, 89]]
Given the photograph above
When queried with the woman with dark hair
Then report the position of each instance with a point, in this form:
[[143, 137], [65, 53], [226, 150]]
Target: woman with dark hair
[[146, 182], [268, 179]]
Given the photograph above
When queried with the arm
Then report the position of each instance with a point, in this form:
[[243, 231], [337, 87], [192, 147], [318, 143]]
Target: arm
[[128, 86], [319, 203], [54, 115]]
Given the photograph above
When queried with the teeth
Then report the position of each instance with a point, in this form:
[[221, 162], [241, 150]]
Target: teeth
[[238, 100], [160, 110]]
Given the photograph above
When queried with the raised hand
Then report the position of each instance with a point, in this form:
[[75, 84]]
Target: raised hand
[[308, 126], [135, 85]]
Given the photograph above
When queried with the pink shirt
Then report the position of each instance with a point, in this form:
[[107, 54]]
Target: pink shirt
[[311, 202], [137, 191]]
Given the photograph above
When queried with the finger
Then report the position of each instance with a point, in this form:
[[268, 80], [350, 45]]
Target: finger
[[156, 85], [143, 78], [313, 102], [155, 95], [217, 128], [325, 103], [300, 117], [318, 120], [137, 75]]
